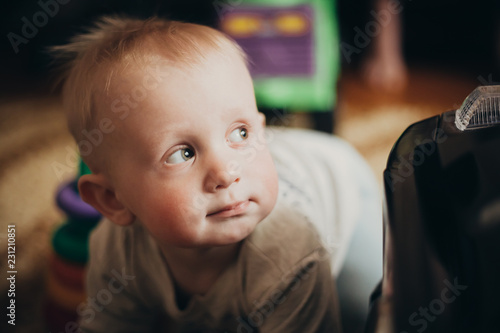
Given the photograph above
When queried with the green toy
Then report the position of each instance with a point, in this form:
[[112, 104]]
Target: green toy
[[293, 51]]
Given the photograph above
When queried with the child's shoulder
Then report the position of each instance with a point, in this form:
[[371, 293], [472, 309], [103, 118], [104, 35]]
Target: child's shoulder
[[283, 248], [283, 240], [109, 241]]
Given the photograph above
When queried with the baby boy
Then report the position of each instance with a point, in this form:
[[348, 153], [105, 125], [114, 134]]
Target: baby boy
[[206, 228]]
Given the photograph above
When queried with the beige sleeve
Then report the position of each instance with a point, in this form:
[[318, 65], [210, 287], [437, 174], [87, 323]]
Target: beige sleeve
[[112, 301], [306, 303]]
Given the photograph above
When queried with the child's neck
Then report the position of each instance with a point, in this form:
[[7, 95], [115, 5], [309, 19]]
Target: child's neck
[[196, 270]]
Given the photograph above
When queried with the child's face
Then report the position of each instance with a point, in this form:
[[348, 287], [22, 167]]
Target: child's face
[[190, 161]]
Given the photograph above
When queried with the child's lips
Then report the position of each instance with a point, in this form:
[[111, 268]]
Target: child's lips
[[231, 210]]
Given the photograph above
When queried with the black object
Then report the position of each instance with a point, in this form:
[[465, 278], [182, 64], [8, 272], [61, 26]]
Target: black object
[[442, 224]]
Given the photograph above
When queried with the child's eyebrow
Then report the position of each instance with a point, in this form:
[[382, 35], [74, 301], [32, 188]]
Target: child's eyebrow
[[245, 112]]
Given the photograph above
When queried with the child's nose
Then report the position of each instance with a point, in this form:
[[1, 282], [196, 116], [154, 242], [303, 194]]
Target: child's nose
[[221, 174]]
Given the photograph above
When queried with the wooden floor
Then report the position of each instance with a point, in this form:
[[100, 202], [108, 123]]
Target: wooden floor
[[372, 120]]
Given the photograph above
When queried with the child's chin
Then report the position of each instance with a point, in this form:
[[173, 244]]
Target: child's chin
[[233, 239], [237, 236]]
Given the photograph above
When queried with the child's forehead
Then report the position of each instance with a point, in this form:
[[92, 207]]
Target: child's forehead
[[134, 81], [144, 73]]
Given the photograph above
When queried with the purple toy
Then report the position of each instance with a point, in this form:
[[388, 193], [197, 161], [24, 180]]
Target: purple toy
[[70, 202]]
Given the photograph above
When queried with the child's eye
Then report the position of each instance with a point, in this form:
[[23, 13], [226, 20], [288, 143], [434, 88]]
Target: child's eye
[[181, 155], [238, 135]]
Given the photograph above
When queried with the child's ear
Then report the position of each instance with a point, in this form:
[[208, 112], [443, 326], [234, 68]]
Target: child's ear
[[96, 191], [263, 119]]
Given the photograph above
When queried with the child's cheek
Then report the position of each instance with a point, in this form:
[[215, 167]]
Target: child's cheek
[[269, 178]]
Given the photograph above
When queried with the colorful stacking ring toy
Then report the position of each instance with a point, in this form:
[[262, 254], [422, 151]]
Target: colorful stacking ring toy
[[58, 318], [70, 243], [69, 274], [66, 274], [70, 202], [66, 298]]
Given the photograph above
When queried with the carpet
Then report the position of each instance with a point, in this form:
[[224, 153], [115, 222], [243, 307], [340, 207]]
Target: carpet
[[33, 138]]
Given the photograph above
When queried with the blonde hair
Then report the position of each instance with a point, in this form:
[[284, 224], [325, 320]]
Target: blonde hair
[[114, 43]]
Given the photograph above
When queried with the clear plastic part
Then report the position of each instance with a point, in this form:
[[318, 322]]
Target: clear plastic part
[[480, 109]]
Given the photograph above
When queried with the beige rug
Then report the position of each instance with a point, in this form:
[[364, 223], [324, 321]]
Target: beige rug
[[32, 138]]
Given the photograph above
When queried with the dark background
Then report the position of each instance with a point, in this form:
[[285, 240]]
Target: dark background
[[461, 35], [458, 33]]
